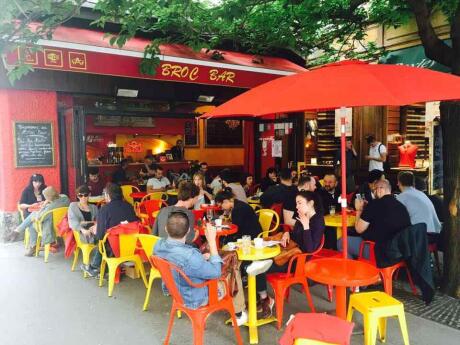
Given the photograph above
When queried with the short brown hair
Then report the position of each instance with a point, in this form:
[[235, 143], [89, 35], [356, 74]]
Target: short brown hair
[[187, 190], [177, 224], [406, 178], [83, 189]]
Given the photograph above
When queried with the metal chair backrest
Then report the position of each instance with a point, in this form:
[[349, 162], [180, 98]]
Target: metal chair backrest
[[269, 220], [127, 190], [57, 214], [155, 196], [148, 242], [166, 270], [302, 259]]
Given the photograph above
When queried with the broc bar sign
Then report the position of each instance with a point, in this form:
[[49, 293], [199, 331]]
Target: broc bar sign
[[94, 62]]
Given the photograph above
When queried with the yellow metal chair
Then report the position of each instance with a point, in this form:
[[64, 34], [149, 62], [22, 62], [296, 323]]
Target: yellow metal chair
[[127, 190], [255, 207], [376, 307], [269, 221], [85, 249], [127, 248], [155, 196], [147, 243], [57, 214], [26, 232]]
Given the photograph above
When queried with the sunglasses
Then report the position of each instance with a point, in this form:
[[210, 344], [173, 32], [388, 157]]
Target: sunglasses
[[83, 195]]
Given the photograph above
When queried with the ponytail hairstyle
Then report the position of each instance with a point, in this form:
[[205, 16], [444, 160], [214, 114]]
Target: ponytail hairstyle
[[224, 194], [309, 196]]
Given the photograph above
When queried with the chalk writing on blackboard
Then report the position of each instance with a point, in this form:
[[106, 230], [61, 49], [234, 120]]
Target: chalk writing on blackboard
[[33, 144]]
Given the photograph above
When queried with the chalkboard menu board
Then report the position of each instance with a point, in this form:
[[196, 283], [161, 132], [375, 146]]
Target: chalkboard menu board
[[224, 133], [437, 162], [191, 133], [33, 144]]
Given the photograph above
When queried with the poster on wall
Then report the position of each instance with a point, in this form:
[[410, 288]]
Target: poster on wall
[[33, 144], [348, 122], [224, 133], [191, 132], [277, 148]]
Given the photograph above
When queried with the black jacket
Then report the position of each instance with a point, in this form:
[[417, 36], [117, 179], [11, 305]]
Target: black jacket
[[410, 245]]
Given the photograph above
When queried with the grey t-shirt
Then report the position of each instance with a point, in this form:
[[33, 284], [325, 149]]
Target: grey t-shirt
[[159, 228]]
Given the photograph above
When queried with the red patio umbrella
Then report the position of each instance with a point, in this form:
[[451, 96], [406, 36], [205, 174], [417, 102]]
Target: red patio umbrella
[[343, 84]]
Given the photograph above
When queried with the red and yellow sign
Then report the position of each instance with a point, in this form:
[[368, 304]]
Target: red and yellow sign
[[133, 146], [128, 66], [77, 60], [53, 58]]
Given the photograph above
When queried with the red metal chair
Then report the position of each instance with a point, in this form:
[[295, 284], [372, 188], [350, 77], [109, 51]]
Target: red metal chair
[[387, 272], [197, 316], [146, 209], [278, 208], [282, 282]]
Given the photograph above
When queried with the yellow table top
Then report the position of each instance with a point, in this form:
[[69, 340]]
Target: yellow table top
[[253, 201], [336, 220], [172, 192], [96, 199], [258, 254]]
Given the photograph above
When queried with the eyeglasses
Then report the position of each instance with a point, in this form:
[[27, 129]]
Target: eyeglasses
[[83, 195]]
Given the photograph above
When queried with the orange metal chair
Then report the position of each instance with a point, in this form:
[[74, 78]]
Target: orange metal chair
[[146, 209], [387, 272], [282, 282], [327, 253], [197, 316]]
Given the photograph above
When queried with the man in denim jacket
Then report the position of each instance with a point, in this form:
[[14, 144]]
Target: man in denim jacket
[[198, 267]]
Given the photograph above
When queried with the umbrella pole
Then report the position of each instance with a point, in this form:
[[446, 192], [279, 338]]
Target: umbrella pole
[[344, 184]]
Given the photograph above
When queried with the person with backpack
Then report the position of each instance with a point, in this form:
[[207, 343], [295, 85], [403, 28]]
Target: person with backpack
[[377, 154]]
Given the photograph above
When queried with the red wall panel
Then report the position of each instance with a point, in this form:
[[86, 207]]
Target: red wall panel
[[22, 105]]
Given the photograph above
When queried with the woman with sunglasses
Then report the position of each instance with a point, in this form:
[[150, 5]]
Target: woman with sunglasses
[[82, 215]]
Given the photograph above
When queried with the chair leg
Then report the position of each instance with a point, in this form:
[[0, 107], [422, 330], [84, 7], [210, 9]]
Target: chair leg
[[47, 251], [308, 295], [149, 288], [239, 341], [372, 330], [170, 325], [436, 260], [382, 324], [350, 312], [26, 238], [198, 330], [75, 259], [279, 303], [403, 325], [330, 291], [102, 272], [140, 268], [387, 275], [112, 273], [411, 282], [38, 242]]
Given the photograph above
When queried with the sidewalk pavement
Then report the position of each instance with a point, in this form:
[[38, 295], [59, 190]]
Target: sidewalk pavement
[[47, 304]]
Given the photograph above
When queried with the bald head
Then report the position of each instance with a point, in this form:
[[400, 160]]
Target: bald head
[[382, 188]]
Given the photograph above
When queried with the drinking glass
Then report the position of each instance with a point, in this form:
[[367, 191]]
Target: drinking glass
[[209, 214], [332, 210], [246, 245]]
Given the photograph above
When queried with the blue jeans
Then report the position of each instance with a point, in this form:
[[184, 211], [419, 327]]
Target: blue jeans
[[354, 242]]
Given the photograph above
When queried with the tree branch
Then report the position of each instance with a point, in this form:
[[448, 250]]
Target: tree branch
[[435, 48]]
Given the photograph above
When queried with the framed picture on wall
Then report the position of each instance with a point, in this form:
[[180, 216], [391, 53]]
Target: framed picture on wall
[[224, 133], [191, 133]]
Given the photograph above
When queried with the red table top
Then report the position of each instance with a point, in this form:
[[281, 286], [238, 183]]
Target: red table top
[[35, 207], [138, 195], [222, 232], [341, 272], [209, 206]]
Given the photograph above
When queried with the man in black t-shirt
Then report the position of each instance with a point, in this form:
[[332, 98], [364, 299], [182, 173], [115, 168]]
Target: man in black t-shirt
[[378, 221], [283, 193]]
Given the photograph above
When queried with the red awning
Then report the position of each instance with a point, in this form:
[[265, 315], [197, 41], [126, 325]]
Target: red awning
[[87, 51]]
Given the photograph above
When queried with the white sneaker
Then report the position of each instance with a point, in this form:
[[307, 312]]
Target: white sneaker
[[240, 321], [258, 267]]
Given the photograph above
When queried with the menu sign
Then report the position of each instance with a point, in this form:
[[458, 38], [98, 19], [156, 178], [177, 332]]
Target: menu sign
[[436, 171], [33, 144]]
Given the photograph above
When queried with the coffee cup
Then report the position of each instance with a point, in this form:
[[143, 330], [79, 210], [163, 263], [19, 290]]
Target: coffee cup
[[258, 243], [218, 222], [212, 202]]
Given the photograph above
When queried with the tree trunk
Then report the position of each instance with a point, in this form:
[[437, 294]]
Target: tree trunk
[[450, 122]]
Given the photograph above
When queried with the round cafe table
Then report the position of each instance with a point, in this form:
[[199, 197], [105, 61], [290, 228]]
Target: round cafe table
[[206, 207], [137, 196], [255, 255], [96, 199], [253, 200], [341, 273], [172, 192], [227, 229], [336, 222]]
